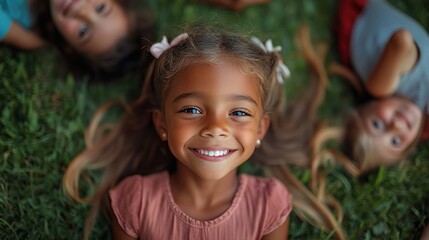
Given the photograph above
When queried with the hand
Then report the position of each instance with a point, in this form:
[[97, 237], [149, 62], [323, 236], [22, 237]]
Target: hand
[[236, 5]]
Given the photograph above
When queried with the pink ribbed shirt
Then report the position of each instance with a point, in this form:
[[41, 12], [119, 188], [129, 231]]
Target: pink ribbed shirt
[[145, 209]]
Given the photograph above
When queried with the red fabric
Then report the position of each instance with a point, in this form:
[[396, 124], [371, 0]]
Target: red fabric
[[347, 13]]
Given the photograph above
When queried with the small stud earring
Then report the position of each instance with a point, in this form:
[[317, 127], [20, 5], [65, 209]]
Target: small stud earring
[[258, 143], [164, 136]]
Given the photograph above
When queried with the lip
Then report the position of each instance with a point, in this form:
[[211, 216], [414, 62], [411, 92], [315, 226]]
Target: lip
[[222, 157], [66, 6], [405, 117]]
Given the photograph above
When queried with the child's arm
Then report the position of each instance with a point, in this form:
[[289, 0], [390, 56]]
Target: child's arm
[[399, 57], [279, 233], [118, 233], [425, 234], [21, 38]]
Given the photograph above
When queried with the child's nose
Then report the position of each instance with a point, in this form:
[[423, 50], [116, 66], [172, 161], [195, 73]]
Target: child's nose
[[398, 124], [85, 13], [215, 126]]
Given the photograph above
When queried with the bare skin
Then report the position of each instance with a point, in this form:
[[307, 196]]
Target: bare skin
[[210, 108], [203, 200], [22, 38], [399, 57], [425, 234]]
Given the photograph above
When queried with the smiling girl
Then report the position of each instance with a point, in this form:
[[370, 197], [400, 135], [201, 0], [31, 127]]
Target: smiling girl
[[388, 51], [99, 37], [172, 160]]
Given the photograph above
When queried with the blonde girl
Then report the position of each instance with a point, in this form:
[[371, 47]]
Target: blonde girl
[[388, 52], [169, 166]]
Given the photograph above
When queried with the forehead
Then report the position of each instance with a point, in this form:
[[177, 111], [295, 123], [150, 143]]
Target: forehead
[[220, 79]]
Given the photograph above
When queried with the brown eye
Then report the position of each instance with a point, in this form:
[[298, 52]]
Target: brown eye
[[83, 30], [378, 124], [396, 141], [100, 7]]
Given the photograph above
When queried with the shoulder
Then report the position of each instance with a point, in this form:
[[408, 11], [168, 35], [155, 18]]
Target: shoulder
[[269, 187], [129, 199], [272, 197], [135, 182], [132, 188]]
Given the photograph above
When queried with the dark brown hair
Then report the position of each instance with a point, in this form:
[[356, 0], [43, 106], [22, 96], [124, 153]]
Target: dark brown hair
[[126, 55]]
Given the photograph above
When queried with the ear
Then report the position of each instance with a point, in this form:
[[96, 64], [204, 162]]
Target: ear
[[264, 125], [159, 122]]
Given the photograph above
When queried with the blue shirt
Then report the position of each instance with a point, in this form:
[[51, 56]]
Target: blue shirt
[[372, 31], [14, 10]]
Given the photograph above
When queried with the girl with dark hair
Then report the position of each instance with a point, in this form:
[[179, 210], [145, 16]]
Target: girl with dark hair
[[99, 37], [208, 100]]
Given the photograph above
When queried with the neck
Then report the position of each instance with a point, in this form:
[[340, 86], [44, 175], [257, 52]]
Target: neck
[[200, 198]]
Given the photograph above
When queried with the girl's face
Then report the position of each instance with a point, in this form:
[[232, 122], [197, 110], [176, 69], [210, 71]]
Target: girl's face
[[213, 117], [90, 26], [393, 123]]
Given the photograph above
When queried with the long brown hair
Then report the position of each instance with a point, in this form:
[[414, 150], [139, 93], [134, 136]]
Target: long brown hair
[[131, 145], [298, 138], [126, 55]]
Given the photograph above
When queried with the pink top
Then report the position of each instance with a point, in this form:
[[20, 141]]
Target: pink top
[[145, 209]]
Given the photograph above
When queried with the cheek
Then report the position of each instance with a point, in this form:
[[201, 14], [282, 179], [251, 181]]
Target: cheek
[[411, 136], [247, 134], [178, 132], [68, 28]]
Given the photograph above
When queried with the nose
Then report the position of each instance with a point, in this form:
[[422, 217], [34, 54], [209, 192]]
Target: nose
[[398, 124], [85, 12], [215, 126]]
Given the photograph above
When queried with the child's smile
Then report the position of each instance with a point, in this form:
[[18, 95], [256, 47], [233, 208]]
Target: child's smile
[[213, 117], [393, 122], [216, 154]]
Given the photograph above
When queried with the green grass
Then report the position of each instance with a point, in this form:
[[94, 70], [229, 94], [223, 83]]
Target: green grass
[[43, 117]]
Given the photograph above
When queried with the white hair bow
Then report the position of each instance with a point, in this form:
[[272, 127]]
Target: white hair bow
[[282, 69], [158, 48]]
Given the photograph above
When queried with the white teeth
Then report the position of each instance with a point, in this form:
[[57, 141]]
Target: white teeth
[[216, 153]]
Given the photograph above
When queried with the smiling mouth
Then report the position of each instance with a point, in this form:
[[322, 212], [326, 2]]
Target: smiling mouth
[[67, 4], [212, 153], [405, 118]]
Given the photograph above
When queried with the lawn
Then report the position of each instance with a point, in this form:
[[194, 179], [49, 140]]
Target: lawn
[[43, 117]]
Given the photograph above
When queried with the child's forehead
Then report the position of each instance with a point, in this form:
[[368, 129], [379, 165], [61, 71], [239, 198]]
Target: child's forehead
[[219, 61], [221, 77]]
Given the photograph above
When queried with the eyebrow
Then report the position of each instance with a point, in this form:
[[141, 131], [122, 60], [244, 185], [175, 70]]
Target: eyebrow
[[234, 97]]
